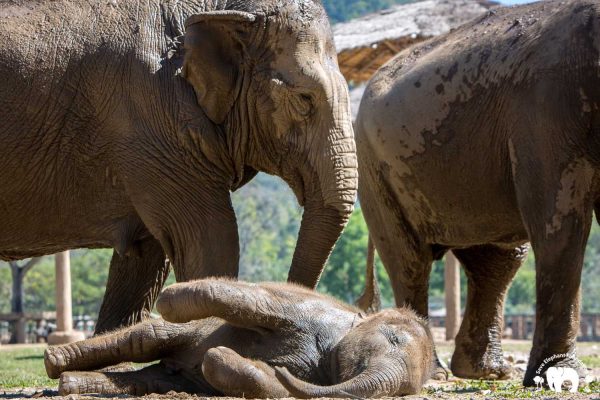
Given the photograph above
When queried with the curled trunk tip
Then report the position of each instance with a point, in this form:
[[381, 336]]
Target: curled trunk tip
[[359, 387]]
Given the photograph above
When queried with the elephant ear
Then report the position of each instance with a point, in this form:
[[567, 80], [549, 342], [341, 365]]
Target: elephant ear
[[215, 46]]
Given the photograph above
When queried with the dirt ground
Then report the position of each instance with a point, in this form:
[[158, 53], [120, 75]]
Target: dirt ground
[[516, 353]]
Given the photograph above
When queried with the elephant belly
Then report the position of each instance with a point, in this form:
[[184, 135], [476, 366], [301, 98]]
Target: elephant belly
[[45, 215], [457, 210]]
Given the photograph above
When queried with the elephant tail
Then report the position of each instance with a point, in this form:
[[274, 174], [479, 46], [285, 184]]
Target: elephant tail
[[370, 300]]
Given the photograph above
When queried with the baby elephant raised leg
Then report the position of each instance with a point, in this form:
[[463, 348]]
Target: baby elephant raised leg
[[236, 376], [152, 379], [144, 342]]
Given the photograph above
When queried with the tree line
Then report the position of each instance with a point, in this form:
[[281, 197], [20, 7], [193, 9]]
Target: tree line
[[269, 219]]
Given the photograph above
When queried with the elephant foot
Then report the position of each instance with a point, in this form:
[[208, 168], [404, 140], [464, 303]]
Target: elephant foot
[[440, 371], [90, 382], [152, 379], [472, 365], [440, 374]]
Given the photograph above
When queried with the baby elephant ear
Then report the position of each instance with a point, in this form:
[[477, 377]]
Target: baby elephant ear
[[215, 47]]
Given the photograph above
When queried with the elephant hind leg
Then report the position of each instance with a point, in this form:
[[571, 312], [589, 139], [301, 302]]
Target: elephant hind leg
[[236, 376], [134, 283], [152, 379], [490, 270]]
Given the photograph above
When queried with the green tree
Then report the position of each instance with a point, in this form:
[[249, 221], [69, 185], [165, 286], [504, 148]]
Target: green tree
[[344, 275], [268, 222]]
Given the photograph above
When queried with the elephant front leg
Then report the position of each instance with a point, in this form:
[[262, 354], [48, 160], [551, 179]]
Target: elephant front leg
[[556, 200], [134, 283], [236, 376], [197, 228], [559, 260], [212, 250], [489, 270]]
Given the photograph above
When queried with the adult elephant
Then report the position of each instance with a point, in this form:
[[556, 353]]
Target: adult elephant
[[479, 141], [126, 124]]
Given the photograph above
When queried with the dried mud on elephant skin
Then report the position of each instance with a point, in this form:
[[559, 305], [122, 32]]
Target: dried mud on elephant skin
[[511, 101]]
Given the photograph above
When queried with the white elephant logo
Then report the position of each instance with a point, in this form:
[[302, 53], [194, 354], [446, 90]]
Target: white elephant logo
[[555, 376], [539, 381]]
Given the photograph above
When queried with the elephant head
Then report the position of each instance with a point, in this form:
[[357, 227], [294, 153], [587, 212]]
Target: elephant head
[[387, 354], [267, 73]]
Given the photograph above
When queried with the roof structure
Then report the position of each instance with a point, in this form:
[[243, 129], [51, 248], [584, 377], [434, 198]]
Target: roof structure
[[365, 44]]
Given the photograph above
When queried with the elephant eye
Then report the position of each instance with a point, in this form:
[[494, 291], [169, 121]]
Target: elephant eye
[[303, 105], [390, 335]]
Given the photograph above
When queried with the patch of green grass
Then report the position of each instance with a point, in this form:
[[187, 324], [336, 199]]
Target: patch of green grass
[[24, 368], [505, 389], [590, 361]]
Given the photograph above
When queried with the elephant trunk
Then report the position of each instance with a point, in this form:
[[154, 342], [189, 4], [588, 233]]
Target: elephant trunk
[[320, 229], [330, 194], [375, 381]]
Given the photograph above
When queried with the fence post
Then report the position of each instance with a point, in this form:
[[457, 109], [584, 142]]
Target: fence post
[[452, 294], [64, 313]]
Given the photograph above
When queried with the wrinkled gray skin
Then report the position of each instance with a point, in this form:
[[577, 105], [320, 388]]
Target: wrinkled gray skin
[[479, 141], [115, 134], [255, 341]]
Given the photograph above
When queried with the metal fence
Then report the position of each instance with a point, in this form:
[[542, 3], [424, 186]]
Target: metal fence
[[521, 326], [37, 326]]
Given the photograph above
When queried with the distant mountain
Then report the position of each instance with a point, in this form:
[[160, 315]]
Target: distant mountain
[[343, 10]]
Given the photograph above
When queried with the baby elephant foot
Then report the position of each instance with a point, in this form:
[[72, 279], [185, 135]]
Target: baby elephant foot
[[152, 379], [55, 361], [467, 363], [91, 382], [236, 376], [440, 372]]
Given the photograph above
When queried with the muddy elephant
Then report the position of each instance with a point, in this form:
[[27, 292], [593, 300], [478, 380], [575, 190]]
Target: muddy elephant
[[127, 124], [480, 141], [255, 341]]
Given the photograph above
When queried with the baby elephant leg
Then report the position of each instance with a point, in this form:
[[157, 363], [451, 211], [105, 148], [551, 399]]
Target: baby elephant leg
[[144, 342], [236, 376], [152, 379]]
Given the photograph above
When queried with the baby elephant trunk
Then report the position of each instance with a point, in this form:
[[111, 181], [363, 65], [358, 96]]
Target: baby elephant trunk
[[375, 381]]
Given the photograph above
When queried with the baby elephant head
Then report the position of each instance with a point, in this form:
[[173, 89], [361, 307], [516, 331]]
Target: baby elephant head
[[390, 353]]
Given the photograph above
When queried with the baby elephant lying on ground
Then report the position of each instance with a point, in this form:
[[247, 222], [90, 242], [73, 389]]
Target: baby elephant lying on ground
[[221, 337]]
